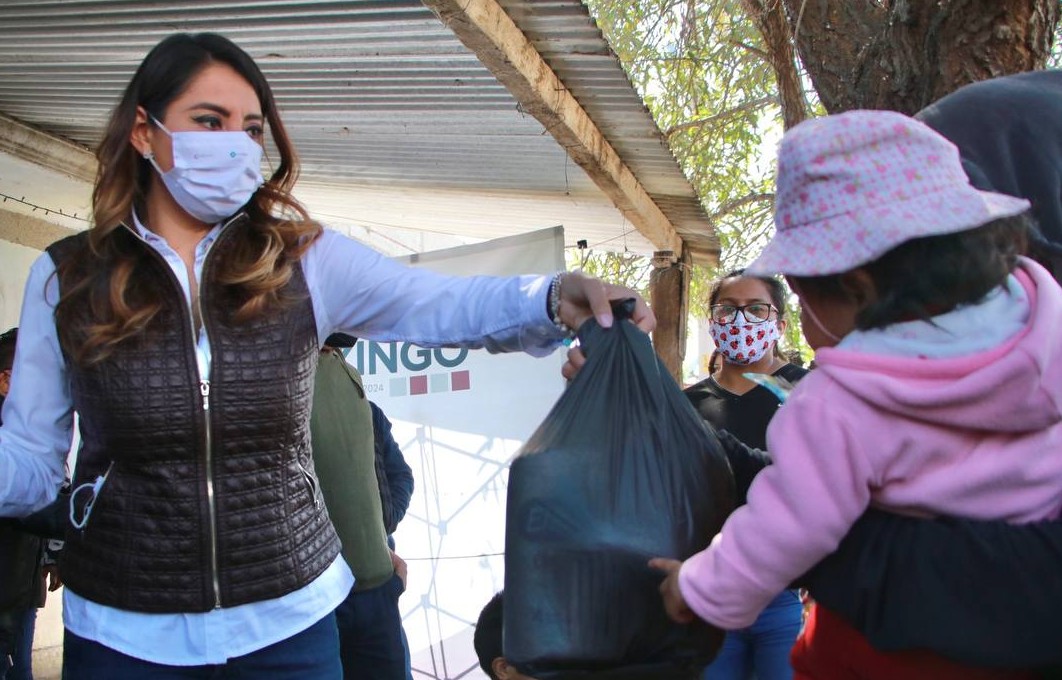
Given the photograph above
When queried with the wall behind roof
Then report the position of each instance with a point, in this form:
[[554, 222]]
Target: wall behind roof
[[15, 261]]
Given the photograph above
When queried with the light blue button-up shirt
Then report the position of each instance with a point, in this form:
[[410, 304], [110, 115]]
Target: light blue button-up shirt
[[354, 290]]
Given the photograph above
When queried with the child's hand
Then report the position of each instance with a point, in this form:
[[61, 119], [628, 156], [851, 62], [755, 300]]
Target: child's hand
[[674, 604], [574, 364]]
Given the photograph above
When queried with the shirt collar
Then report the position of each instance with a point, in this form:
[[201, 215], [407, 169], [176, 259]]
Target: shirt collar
[[151, 237]]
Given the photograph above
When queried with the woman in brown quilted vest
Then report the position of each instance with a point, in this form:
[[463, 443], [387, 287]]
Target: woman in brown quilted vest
[[184, 328]]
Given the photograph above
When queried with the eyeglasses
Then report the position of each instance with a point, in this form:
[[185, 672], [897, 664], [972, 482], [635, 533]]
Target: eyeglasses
[[757, 312]]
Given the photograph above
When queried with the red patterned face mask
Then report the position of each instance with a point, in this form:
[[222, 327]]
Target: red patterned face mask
[[741, 342]]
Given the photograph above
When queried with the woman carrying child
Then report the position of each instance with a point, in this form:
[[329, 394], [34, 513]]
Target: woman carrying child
[[939, 381]]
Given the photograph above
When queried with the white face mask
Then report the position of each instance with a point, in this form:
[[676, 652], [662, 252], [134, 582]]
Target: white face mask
[[214, 174]]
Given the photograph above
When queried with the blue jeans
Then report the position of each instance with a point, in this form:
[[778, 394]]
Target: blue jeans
[[313, 653], [21, 666], [370, 634], [408, 660], [761, 651]]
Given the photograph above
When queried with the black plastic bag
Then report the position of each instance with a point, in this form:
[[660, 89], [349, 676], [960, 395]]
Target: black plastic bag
[[622, 469]]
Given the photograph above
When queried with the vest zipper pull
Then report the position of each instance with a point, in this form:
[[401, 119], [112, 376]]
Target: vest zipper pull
[[204, 389]]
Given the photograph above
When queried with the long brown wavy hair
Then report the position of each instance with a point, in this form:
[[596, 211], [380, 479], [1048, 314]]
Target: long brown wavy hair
[[100, 304]]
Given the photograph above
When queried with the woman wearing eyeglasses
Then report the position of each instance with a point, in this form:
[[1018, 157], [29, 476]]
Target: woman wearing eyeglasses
[[748, 319]]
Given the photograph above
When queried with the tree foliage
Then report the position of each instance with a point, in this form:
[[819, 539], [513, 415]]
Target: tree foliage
[[723, 79], [710, 73], [626, 269], [701, 69], [704, 71]]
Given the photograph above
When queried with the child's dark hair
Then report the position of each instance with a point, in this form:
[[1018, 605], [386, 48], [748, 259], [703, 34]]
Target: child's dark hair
[[929, 276], [488, 637]]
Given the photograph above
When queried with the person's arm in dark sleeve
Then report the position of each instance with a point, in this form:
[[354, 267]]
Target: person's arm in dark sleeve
[[50, 521], [745, 461], [983, 593], [399, 474]]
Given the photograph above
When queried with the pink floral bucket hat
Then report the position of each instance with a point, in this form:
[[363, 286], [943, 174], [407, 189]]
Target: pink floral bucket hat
[[852, 187]]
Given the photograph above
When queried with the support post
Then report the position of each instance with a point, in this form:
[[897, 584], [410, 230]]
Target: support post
[[669, 286]]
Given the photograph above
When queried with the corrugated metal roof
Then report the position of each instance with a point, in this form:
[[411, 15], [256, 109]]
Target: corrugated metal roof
[[571, 43], [374, 92]]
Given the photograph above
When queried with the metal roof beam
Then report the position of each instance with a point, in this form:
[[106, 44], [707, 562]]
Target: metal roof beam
[[52, 152], [485, 28]]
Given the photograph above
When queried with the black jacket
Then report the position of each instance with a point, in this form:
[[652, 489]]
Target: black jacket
[[20, 576], [393, 476], [20, 579], [983, 593], [1009, 132]]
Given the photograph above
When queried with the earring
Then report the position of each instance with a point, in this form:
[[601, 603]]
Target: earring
[[148, 155]]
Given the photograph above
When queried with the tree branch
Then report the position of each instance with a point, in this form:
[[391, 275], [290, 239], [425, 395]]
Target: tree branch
[[731, 206], [721, 115], [750, 48], [770, 19]]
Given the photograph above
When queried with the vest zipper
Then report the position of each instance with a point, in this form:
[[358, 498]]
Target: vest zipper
[[204, 390], [204, 393]]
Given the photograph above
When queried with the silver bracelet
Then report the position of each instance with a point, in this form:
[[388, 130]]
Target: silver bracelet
[[554, 305]]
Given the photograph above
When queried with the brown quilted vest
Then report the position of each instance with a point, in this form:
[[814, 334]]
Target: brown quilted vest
[[210, 498]]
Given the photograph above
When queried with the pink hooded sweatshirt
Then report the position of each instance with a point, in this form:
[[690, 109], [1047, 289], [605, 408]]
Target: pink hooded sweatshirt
[[977, 436]]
